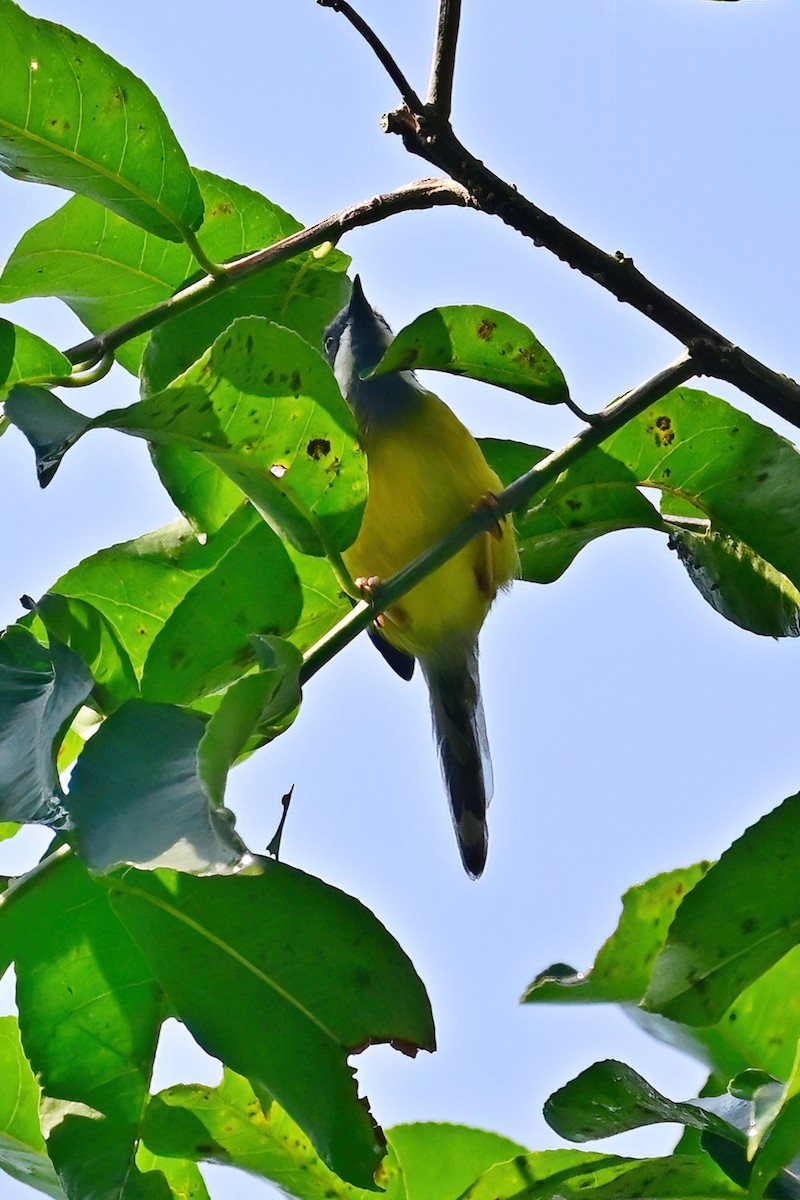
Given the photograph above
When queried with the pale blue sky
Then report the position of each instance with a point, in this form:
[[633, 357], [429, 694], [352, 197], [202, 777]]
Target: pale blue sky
[[633, 730]]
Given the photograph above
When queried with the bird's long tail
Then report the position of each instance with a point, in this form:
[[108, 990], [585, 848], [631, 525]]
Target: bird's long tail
[[460, 731]]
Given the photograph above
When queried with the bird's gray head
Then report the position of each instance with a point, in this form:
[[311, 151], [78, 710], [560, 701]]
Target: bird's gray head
[[355, 342]]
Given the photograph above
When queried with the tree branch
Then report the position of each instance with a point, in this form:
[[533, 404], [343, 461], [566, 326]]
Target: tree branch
[[424, 193], [440, 91], [484, 517], [409, 96], [425, 133]]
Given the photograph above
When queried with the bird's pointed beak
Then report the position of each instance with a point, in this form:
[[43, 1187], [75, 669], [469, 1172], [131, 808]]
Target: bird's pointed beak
[[359, 307]]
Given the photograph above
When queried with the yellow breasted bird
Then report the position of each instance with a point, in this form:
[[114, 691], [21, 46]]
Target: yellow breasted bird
[[426, 473]]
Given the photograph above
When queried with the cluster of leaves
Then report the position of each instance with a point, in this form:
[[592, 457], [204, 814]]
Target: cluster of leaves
[[153, 666]]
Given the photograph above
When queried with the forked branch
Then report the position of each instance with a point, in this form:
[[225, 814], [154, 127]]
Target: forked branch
[[426, 132]]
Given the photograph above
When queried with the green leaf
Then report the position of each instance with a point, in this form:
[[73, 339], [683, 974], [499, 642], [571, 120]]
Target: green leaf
[[228, 1125], [482, 343], [775, 1134], [442, 1160], [303, 976], [739, 584], [761, 1027], [72, 117], [26, 358], [85, 630], [22, 1150], [261, 705], [610, 1097], [579, 506], [184, 1178], [40, 690], [264, 407], [739, 920], [109, 271], [621, 972], [574, 1173], [136, 795], [89, 1012]]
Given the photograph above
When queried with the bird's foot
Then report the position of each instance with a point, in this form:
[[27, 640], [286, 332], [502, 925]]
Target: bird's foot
[[489, 500]]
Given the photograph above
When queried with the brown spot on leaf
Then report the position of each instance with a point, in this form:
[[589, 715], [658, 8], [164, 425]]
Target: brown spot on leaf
[[665, 435], [749, 925], [318, 448], [295, 382], [221, 210], [763, 477], [485, 330], [574, 505]]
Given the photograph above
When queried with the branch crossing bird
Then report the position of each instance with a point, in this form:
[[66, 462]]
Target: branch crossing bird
[[426, 473]]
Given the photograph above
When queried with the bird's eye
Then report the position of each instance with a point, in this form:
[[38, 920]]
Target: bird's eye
[[329, 343]]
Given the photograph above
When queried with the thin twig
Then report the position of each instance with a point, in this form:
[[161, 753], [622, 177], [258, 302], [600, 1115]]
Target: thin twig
[[484, 516], [433, 140], [397, 77], [425, 193], [440, 91]]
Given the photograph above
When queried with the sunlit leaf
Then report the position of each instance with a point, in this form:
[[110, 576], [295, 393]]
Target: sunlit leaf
[[23, 1155], [26, 358], [735, 924], [303, 977], [482, 343], [442, 1160], [73, 117]]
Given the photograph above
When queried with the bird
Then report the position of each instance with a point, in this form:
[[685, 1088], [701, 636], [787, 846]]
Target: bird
[[425, 474]]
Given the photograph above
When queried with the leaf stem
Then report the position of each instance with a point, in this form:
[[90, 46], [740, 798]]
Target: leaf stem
[[200, 256], [484, 517]]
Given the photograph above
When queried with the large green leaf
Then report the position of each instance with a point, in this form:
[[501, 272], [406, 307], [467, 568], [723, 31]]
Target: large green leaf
[[730, 504], [228, 1125], [26, 358], [739, 920], [109, 271], [136, 795], [82, 627], [482, 343], [441, 1160], [73, 117], [23, 1155], [89, 1012], [40, 691], [574, 1173], [759, 1029], [264, 407], [303, 976]]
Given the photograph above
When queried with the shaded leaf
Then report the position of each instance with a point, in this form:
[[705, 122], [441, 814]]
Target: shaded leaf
[[610, 1097], [23, 1155], [482, 343], [82, 627], [72, 117], [303, 977], [40, 690], [574, 1173], [136, 795], [739, 920], [739, 584], [775, 1136]]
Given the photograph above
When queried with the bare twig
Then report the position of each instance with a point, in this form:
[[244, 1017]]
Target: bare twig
[[397, 77], [425, 193], [484, 516], [425, 134], [440, 91]]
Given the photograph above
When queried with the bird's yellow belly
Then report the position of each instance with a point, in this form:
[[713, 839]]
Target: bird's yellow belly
[[426, 475]]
